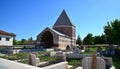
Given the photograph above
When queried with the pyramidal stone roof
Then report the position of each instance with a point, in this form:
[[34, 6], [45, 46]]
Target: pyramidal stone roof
[[63, 19]]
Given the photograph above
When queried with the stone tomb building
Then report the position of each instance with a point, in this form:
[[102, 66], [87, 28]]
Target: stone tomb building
[[61, 36]]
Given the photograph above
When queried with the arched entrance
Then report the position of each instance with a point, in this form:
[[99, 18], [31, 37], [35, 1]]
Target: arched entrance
[[47, 39], [68, 48]]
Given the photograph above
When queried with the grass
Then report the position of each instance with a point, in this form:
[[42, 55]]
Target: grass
[[75, 62], [116, 62], [45, 58], [86, 52], [93, 49]]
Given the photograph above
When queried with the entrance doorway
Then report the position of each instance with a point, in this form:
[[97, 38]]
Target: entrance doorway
[[47, 40]]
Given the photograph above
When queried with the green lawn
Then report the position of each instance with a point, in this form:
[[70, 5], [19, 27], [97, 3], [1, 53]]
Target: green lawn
[[75, 62]]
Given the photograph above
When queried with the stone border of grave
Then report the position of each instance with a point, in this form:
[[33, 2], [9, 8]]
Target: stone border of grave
[[7, 64], [34, 60]]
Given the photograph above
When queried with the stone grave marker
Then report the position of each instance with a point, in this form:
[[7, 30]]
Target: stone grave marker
[[110, 50], [87, 49], [108, 62], [99, 50], [33, 60], [76, 50], [93, 62], [60, 57]]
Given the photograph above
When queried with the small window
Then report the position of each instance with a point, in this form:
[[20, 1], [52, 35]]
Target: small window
[[7, 39], [0, 38]]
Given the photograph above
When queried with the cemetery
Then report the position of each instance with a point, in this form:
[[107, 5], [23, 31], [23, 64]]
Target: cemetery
[[73, 59]]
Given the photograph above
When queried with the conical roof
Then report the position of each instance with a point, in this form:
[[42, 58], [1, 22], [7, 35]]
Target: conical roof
[[63, 19]]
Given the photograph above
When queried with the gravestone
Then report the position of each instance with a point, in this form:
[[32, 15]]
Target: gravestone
[[87, 49], [110, 50], [33, 60], [99, 50], [76, 50], [93, 62], [60, 57], [108, 62], [47, 54]]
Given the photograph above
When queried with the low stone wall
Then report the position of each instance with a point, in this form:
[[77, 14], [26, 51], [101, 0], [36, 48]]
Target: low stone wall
[[7, 64], [70, 54], [61, 65], [24, 50]]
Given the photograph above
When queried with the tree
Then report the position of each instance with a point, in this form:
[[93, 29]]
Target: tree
[[101, 39], [79, 41], [14, 40], [112, 32], [23, 40], [30, 39], [108, 33], [89, 39]]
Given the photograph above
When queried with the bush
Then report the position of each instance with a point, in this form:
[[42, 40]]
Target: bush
[[12, 58]]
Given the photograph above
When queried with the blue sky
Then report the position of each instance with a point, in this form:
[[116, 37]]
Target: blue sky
[[27, 18]]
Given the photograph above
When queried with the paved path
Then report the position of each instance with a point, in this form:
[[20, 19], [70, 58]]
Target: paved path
[[7, 64]]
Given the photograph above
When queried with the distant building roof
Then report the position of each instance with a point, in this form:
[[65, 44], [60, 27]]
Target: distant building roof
[[63, 19], [6, 33]]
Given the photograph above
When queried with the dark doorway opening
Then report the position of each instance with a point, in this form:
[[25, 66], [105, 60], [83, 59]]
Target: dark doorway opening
[[47, 40], [68, 48]]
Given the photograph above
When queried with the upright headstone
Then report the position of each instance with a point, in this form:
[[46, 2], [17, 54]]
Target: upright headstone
[[60, 57], [93, 62], [108, 62], [99, 50], [87, 49], [76, 53], [76, 50], [33, 60], [110, 50]]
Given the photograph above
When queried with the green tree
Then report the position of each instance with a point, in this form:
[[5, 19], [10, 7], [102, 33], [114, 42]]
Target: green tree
[[23, 41], [101, 39], [79, 41], [30, 39], [88, 40], [19, 43], [14, 40], [112, 32], [108, 33]]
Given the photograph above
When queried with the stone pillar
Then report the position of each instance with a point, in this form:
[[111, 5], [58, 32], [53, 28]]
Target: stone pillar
[[94, 61]]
